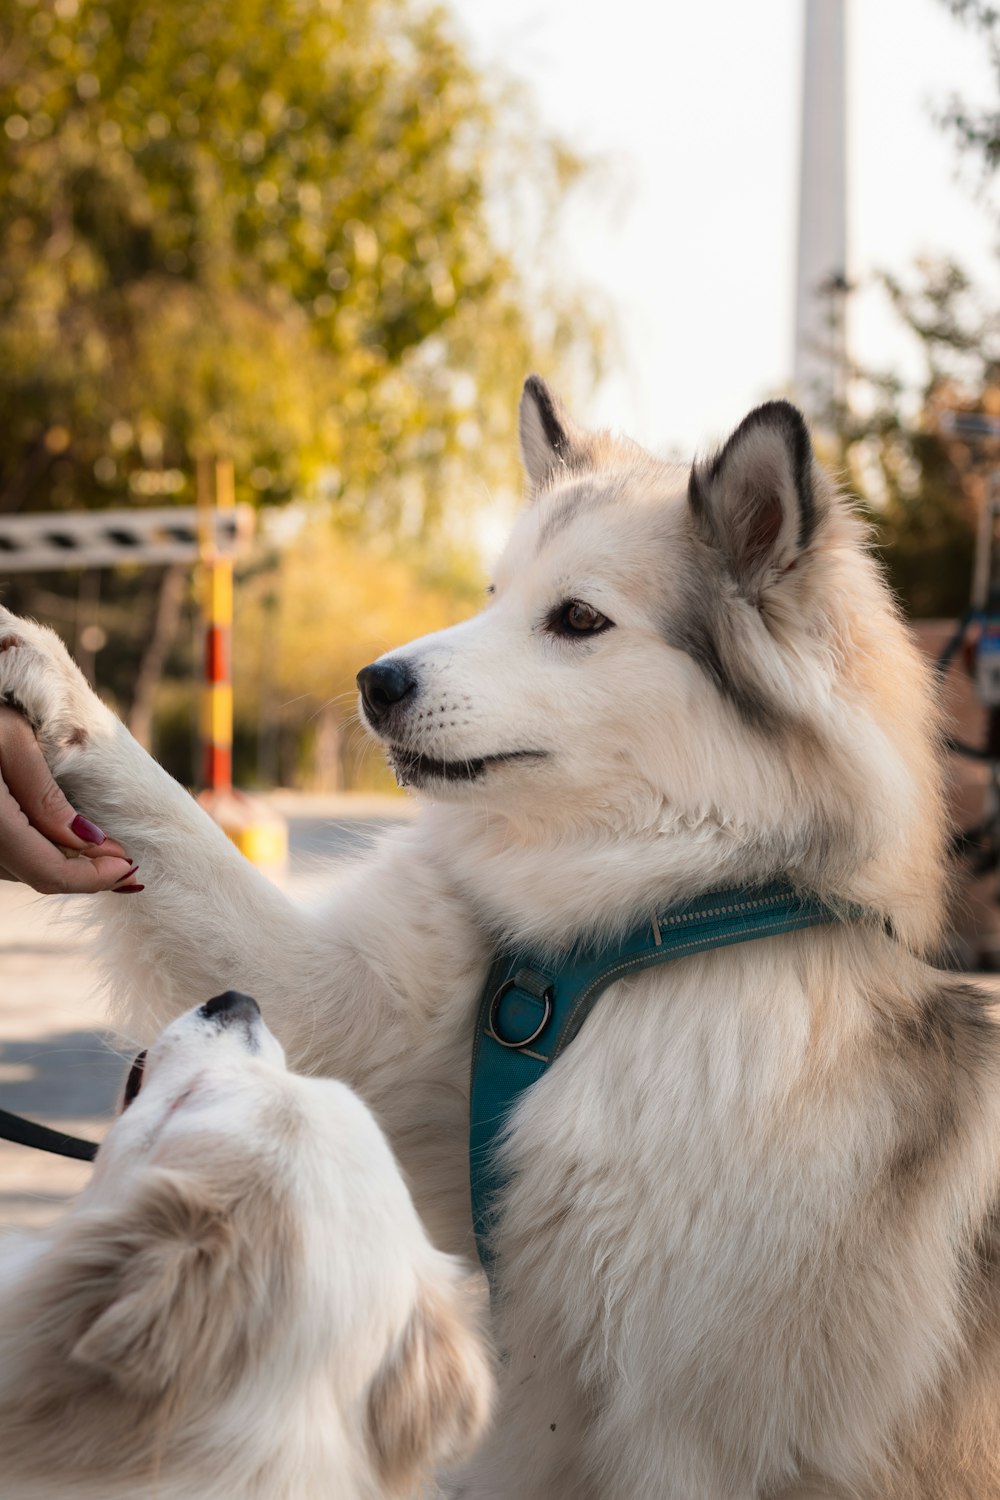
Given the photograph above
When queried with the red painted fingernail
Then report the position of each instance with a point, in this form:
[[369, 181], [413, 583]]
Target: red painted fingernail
[[86, 830], [126, 890]]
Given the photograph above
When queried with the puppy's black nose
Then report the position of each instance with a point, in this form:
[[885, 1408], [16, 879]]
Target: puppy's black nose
[[232, 1006], [383, 685]]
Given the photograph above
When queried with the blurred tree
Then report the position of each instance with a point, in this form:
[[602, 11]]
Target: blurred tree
[[306, 626], [976, 127], [923, 485], [260, 229]]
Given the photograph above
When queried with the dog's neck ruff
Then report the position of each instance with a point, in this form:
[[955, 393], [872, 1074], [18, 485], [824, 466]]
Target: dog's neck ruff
[[533, 1006]]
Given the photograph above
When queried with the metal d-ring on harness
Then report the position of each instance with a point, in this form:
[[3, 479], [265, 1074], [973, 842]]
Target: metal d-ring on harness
[[532, 1007]]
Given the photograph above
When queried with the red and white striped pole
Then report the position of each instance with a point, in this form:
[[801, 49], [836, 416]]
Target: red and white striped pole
[[215, 490], [255, 828]]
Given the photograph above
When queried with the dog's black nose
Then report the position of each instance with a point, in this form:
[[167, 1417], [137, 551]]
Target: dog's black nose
[[383, 685], [232, 1006]]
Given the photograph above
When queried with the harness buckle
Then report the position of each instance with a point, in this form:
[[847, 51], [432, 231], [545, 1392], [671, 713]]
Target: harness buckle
[[527, 999]]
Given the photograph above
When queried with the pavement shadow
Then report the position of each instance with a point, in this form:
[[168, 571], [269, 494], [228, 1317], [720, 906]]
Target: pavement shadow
[[69, 1076]]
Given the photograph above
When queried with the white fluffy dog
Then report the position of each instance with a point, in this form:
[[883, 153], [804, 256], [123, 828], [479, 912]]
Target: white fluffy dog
[[242, 1305], [747, 1243]]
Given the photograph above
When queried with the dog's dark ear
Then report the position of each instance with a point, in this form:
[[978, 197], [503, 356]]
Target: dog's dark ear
[[145, 1280], [757, 500], [550, 441], [430, 1401]]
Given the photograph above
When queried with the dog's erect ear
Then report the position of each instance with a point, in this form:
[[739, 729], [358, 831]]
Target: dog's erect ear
[[550, 442], [430, 1401], [151, 1275], [756, 500]]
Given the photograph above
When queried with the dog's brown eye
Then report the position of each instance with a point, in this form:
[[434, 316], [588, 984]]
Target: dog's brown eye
[[576, 618]]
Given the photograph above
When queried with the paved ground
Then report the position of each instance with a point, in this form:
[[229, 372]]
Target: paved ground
[[57, 1063]]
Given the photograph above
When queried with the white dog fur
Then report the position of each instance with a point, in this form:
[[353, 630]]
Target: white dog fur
[[242, 1305], [746, 1245]]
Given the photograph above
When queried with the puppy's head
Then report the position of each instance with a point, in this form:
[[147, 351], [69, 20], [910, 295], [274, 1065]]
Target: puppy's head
[[180, 1256], [247, 1236]]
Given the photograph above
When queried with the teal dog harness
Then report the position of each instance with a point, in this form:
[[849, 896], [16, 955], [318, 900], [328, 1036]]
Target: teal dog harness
[[532, 1007]]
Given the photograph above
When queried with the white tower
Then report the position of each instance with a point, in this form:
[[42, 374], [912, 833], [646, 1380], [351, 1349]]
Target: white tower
[[821, 280]]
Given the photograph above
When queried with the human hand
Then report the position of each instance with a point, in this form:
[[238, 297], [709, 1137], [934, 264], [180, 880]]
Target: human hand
[[43, 840]]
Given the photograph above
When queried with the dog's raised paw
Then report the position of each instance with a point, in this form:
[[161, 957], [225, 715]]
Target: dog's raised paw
[[39, 679]]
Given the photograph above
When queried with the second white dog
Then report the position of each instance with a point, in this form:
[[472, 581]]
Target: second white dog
[[242, 1305]]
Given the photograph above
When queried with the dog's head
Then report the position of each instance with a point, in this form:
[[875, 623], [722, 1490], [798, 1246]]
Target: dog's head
[[247, 1244], [707, 651]]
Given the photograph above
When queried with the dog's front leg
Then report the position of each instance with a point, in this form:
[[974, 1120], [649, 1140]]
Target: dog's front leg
[[206, 921]]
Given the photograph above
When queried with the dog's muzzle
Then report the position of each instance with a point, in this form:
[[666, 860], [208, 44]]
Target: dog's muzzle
[[231, 1009]]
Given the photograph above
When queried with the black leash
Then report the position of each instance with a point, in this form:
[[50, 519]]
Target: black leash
[[40, 1138], [27, 1133]]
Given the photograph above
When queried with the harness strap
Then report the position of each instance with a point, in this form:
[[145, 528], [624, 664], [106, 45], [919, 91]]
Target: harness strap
[[532, 1007], [27, 1133]]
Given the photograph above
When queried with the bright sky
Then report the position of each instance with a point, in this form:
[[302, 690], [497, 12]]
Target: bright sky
[[696, 107]]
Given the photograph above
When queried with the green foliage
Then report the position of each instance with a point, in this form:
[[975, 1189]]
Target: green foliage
[[922, 485], [923, 523], [260, 229]]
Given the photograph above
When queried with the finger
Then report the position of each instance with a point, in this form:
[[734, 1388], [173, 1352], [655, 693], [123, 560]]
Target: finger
[[36, 791], [88, 876], [93, 851], [29, 856]]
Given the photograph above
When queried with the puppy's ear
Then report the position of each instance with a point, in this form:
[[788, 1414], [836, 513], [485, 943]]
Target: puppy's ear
[[430, 1401], [550, 442], [757, 500], [150, 1277]]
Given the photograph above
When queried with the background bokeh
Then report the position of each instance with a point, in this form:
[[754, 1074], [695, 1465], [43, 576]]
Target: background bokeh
[[326, 239]]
